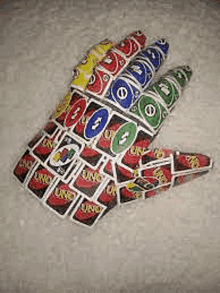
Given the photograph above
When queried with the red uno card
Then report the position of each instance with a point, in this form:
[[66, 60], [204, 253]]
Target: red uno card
[[156, 156], [91, 156], [189, 162], [61, 198], [40, 181], [183, 178], [114, 63], [129, 47], [108, 196], [46, 146], [50, 128], [87, 212], [108, 169], [75, 113], [157, 175], [122, 174], [24, 166], [71, 110], [36, 139], [140, 38], [89, 180], [99, 83]]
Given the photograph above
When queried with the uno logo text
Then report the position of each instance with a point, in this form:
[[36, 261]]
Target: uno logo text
[[137, 151], [109, 134], [25, 164], [43, 178], [65, 194], [91, 209], [193, 161], [159, 175], [91, 176], [159, 154], [48, 143], [111, 190]]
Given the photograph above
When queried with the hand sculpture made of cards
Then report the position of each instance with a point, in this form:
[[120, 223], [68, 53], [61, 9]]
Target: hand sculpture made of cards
[[93, 154]]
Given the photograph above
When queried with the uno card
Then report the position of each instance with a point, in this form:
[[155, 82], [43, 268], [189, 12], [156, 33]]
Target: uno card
[[92, 122], [163, 46], [156, 156], [167, 90], [113, 63], [130, 192], [99, 83], [40, 181], [154, 192], [75, 113], [123, 93], [133, 156], [150, 111], [89, 180], [187, 70], [139, 37], [129, 47], [50, 128], [24, 166], [63, 107], [118, 135], [108, 169], [156, 176], [154, 56], [47, 145], [77, 164], [61, 198], [63, 155], [140, 72], [123, 175], [68, 112], [91, 156], [87, 212], [145, 184], [108, 196], [80, 79], [180, 76], [190, 162], [36, 139], [183, 178]]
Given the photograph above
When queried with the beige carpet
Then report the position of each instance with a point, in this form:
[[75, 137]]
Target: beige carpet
[[170, 243]]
